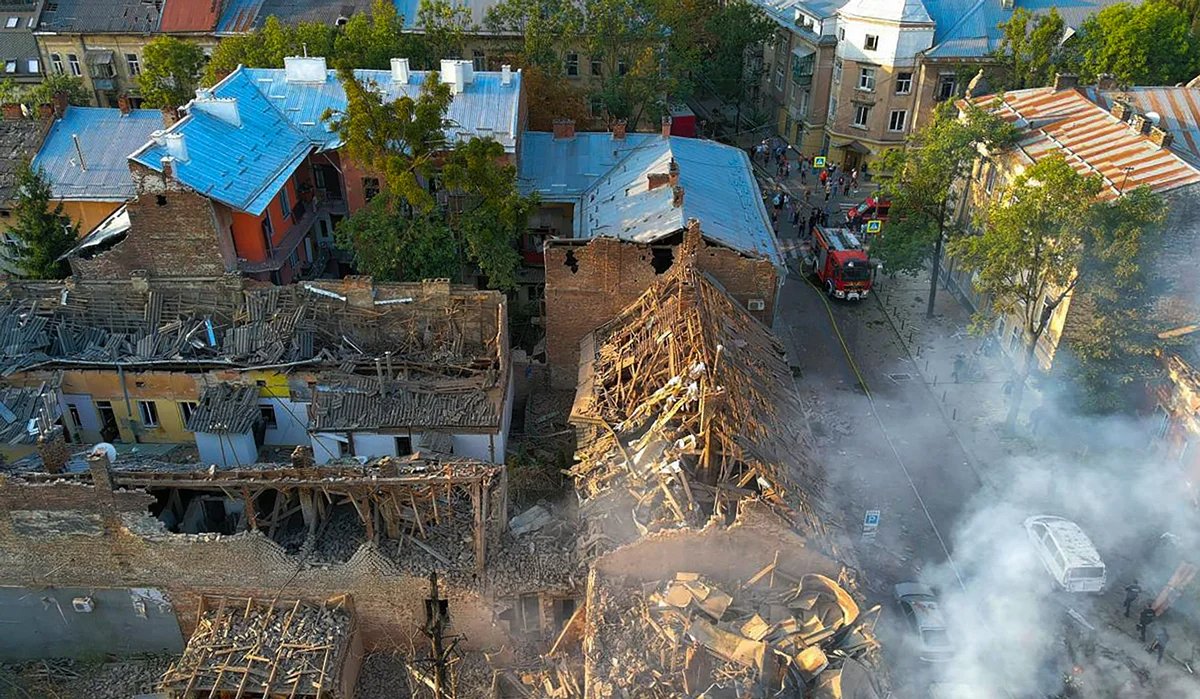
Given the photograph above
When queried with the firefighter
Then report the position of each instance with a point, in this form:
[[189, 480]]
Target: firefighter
[[1161, 639], [1145, 619], [1131, 594]]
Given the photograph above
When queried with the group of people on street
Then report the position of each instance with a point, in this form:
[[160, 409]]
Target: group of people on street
[[1146, 618]]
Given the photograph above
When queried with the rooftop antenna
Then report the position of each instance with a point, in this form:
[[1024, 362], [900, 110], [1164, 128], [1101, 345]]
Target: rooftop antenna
[[304, 48], [1128, 169], [79, 152]]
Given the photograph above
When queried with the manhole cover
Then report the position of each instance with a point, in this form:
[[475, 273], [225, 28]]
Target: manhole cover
[[899, 378]]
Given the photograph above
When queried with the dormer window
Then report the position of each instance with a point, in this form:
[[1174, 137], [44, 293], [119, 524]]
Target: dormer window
[[871, 42]]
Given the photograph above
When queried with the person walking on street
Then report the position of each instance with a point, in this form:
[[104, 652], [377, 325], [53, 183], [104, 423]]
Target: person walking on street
[[824, 176], [1131, 594], [854, 179], [1161, 638], [828, 191], [1145, 619]]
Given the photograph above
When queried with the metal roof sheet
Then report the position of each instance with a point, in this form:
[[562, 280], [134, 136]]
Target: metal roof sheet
[[190, 15], [19, 141], [23, 408], [1091, 139], [970, 28], [906, 11], [561, 169], [719, 190], [484, 108], [106, 138], [1178, 109], [226, 408], [243, 166], [101, 16]]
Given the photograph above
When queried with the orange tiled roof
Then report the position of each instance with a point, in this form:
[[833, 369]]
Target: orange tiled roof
[[190, 15]]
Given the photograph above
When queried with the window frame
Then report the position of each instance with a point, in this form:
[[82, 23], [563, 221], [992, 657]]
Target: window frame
[[148, 413], [56, 63], [865, 110], [867, 77], [906, 82], [266, 413], [572, 65], [133, 64], [187, 408], [285, 204], [73, 62], [597, 67], [371, 188], [903, 120], [870, 42]]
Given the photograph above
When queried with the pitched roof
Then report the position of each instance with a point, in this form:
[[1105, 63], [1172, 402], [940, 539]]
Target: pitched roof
[[17, 42], [1178, 109], [719, 190], [106, 138], [240, 16], [100, 16], [970, 28], [21, 408], [350, 403], [905, 11], [1091, 139], [562, 169], [240, 164], [225, 408], [190, 15], [784, 11], [19, 142]]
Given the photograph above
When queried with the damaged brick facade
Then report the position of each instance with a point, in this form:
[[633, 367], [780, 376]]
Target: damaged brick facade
[[587, 285]]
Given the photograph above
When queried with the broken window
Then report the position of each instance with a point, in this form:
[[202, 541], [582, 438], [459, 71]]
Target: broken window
[[267, 412], [563, 610], [571, 262], [186, 408], [149, 413], [662, 259], [403, 446], [531, 613]]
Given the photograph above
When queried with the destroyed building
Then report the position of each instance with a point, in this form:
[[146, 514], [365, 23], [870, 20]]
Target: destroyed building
[[232, 365]]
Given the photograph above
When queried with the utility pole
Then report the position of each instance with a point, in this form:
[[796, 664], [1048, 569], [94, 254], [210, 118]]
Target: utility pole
[[435, 624]]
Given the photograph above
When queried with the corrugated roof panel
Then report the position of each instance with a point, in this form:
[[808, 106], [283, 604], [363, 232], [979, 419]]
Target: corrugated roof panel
[[561, 169], [190, 15], [100, 16], [970, 28], [106, 138]]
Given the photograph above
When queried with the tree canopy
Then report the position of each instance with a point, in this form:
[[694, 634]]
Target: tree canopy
[[1147, 44], [1030, 49], [42, 232], [735, 29], [170, 71], [55, 83]]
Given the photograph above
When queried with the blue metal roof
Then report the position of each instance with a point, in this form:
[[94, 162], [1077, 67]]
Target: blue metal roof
[[970, 28], [612, 188], [484, 108], [243, 165], [106, 138]]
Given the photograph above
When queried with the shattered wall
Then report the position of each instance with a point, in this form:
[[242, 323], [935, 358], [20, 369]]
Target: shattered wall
[[589, 285], [74, 535]]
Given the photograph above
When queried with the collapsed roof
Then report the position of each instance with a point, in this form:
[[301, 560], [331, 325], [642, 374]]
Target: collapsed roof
[[684, 406]]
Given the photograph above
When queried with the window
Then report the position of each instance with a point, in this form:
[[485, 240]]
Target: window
[[861, 112], [478, 60], [596, 66], [622, 69], [149, 413], [268, 231], [403, 446], [866, 79], [284, 203], [56, 63], [370, 187], [778, 77], [74, 412], [837, 71], [990, 182], [73, 60], [34, 65], [10, 66], [871, 42], [833, 107], [897, 119], [187, 408], [841, 33], [531, 613], [134, 65], [12, 22], [267, 413], [51, 7], [597, 106], [573, 65], [947, 87], [903, 83], [802, 98]]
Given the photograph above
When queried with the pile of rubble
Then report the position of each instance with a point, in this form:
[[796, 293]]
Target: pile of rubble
[[537, 553], [688, 636], [65, 678]]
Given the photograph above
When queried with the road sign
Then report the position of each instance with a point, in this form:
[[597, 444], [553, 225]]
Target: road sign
[[871, 519], [819, 162], [874, 225]]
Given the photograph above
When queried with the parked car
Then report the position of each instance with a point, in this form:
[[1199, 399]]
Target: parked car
[[920, 607], [1067, 553]]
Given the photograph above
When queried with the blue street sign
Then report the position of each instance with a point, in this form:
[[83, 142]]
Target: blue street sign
[[819, 161], [871, 519], [874, 225]]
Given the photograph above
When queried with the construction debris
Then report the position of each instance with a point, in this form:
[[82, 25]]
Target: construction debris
[[244, 647]]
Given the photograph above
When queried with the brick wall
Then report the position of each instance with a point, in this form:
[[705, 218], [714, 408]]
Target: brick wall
[[173, 232], [588, 285], [75, 535]]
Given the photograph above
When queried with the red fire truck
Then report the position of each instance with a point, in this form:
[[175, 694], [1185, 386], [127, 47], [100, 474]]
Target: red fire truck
[[840, 263]]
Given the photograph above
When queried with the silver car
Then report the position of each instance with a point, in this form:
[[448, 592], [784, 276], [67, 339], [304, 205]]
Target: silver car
[[920, 607]]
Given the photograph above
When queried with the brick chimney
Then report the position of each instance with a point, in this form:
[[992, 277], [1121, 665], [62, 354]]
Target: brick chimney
[[618, 130], [61, 103], [170, 115], [677, 197], [1140, 123], [666, 127], [12, 111], [46, 111], [302, 457], [658, 179], [1161, 137], [124, 104], [1065, 81], [673, 173], [168, 167], [1121, 110], [564, 129], [52, 447]]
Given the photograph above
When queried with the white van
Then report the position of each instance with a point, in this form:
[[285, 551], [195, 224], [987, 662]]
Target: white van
[[1067, 553]]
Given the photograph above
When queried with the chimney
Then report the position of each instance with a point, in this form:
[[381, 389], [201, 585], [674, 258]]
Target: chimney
[[170, 115], [1121, 110], [168, 167], [1006, 4], [618, 130], [1106, 82], [12, 111], [506, 75], [304, 69], [1065, 81], [1140, 123], [400, 72], [666, 127], [223, 108], [46, 111], [564, 129], [124, 104], [61, 103], [302, 456], [52, 447], [101, 471], [1161, 137], [655, 180], [677, 197], [453, 73], [673, 173], [176, 146]]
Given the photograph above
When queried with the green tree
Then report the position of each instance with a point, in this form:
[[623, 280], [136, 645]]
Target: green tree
[[43, 93], [1147, 44], [43, 233], [736, 29], [1029, 53], [1190, 9], [920, 180], [171, 71], [268, 46], [542, 31], [1027, 259], [631, 45], [373, 40], [445, 26], [391, 246]]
